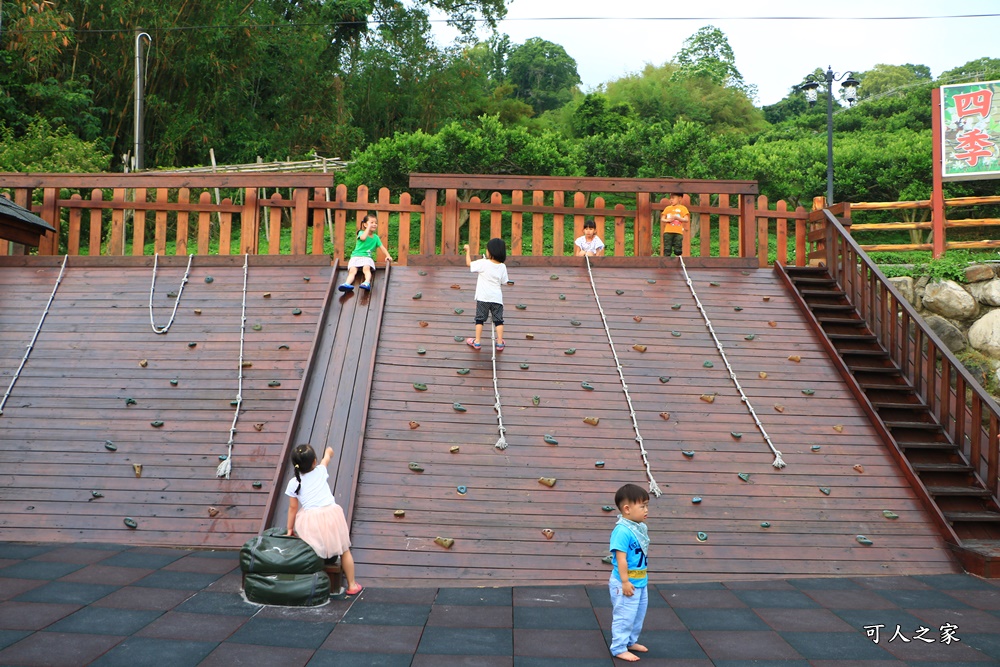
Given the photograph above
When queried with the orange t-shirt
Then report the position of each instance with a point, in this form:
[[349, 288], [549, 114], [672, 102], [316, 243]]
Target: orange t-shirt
[[674, 226]]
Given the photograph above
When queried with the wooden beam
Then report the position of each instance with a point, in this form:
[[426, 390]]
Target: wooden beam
[[579, 184]]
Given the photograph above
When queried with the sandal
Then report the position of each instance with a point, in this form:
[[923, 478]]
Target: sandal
[[346, 287], [366, 286], [471, 342], [500, 346], [354, 590]]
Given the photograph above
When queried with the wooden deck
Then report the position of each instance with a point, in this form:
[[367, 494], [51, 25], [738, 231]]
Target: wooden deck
[[71, 396], [497, 525]]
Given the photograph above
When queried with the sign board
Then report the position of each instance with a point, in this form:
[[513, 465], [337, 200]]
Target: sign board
[[970, 118]]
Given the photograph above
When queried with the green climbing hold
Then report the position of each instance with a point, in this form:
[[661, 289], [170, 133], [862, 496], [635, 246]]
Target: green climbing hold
[[619, 292], [765, 524], [736, 434], [745, 273], [889, 514], [193, 344], [750, 337], [808, 392], [676, 306], [131, 523], [863, 540], [462, 490], [96, 494], [575, 323], [257, 485], [536, 400], [651, 282], [696, 500], [737, 308], [273, 383], [156, 424], [459, 311], [171, 295], [824, 490], [688, 453], [745, 476], [174, 382], [607, 560], [702, 537], [598, 464], [608, 508], [714, 284], [521, 306], [815, 448], [306, 278], [587, 386], [129, 401], [296, 311], [420, 386], [421, 273], [708, 364], [418, 295], [421, 350], [416, 467], [459, 339], [284, 347], [664, 379], [234, 402], [256, 327], [524, 366], [550, 440], [562, 297], [458, 407], [553, 277], [110, 446], [463, 371], [571, 350], [209, 279], [223, 457], [675, 334]]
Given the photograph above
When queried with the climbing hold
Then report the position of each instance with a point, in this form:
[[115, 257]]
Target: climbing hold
[[863, 540], [171, 295], [459, 311], [257, 485], [548, 533], [587, 386], [860, 468], [824, 490], [414, 424], [749, 336], [675, 334], [305, 278], [521, 306], [156, 424], [708, 364], [110, 446], [765, 524], [273, 383], [794, 357], [421, 273], [454, 449], [547, 481], [664, 379], [462, 490], [463, 371], [459, 339], [593, 421], [416, 467], [575, 323], [772, 323], [422, 323], [598, 464], [676, 306], [550, 440], [745, 476], [736, 434], [96, 494], [838, 428], [209, 280], [246, 364], [562, 297], [284, 347], [637, 318], [234, 402], [445, 542], [536, 400], [458, 407], [571, 350], [399, 514], [137, 469], [708, 398], [553, 277], [665, 416], [702, 537], [131, 523], [889, 514], [530, 336], [607, 560], [688, 453], [714, 284], [267, 295], [639, 347], [129, 401], [696, 500], [808, 392], [619, 292], [651, 282], [762, 375], [143, 363], [779, 408], [608, 508], [296, 311], [737, 308], [745, 273], [524, 366], [259, 426], [456, 286], [420, 386], [767, 298], [421, 350], [256, 327], [223, 457], [213, 511], [418, 295], [197, 311], [815, 448]]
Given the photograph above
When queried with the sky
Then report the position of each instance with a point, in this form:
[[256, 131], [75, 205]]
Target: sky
[[772, 54]]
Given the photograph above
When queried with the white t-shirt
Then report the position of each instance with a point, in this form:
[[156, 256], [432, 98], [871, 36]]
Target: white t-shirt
[[593, 245], [315, 491], [491, 277]]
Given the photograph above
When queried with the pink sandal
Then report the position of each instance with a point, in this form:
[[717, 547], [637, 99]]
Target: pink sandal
[[471, 342]]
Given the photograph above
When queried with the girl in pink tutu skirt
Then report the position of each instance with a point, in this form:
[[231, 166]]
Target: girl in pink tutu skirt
[[315, 516]]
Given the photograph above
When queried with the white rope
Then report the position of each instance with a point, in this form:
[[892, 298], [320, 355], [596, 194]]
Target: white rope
[[778, 463], [177, 301], [31, 345], [501, 441], [227, 466], [653, 488]]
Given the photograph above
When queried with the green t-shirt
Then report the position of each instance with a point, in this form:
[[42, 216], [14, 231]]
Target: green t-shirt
[[366, 247]]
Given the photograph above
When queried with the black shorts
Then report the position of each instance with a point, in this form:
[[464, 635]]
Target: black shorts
[[484, 308]]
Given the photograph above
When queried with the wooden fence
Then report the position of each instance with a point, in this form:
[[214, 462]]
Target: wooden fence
[[118, 214]]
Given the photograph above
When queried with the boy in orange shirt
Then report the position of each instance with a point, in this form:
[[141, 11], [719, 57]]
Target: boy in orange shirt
[[673, 219]]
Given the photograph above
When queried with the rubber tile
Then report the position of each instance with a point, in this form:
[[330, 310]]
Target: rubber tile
[[851, 599], [399, 595], [373, 639], [280, 632], [475, 596], [923, 599], [37, 569], [860, 619], [147, 559], [783, 599], [106, 574], [560, 643], [67, 592], [599, 596], [803, 620], [106, 621], [231, 582], [376, 613], [541, 618], [429, 660], [331, 612], [231, 604], [836, 645], [528, 661], [32, 615], [228, 654], [551, 596], [11, 588], [979, 599], [765, 585], [199, 563], [669, 644], [916, 651], [988, 644], [955, 582], [23, 551], [470, 616], [150, 652], [825, 584], [188, 581], [347, 659], [656, 619], [703, 599], [891, 583], [131, 597], [721, 619], [193, 627], [745, 645], [57, 649], [967, 620], [466, 641], [8, 637], [696, 586], [762, 663], [78, 555]]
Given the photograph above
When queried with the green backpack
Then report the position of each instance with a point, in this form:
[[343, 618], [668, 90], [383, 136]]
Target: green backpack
[[277, 553], [290, 590]]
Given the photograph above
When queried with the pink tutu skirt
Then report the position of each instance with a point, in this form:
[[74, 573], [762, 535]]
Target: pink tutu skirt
[[324, 529]]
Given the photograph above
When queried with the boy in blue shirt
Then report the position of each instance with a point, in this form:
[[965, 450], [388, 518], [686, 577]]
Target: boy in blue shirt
[[629, 549]]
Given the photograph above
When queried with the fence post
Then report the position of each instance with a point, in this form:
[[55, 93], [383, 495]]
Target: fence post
[[937, 191], [748, 226], [449, 223], [428, 226], [643, 242]]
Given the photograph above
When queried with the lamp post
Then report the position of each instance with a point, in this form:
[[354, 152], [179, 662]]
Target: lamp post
[[850, 86]]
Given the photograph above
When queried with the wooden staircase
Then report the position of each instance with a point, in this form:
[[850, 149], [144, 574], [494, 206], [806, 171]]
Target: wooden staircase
[[952, 487]]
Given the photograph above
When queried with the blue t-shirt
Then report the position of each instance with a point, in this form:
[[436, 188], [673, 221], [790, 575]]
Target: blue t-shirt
[[623, 540]]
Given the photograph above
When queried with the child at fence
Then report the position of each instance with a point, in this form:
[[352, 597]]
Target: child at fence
[[672, 220], [315, 516], [590, 243], [365, 251], [629, 550], [489, 294]]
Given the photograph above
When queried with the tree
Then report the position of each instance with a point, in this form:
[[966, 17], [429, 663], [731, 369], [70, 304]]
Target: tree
[[596, 116], [885, 79], [543, 73], [46, 149], [707, 54]]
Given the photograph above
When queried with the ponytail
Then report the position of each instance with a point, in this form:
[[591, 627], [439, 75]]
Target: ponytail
[[303, 458]]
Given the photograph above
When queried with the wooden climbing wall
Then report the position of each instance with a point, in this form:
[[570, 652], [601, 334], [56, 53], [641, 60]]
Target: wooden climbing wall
[[497, 524], [88, 360]]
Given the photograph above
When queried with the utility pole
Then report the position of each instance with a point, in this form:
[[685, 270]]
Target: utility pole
[[140, 87]]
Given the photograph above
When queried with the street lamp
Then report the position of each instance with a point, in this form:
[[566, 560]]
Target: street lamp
[[810, 88]]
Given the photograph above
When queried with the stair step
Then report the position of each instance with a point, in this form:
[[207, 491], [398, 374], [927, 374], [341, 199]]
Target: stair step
[[880, 353], [959, 491], [993, 517], [923, 426], [850, 337], [842, 321], [942, 467], [895, 405], [822, 292], [942, 445], [873, 369], [874, 386], [804, 270], [802, 280], [831, 306]]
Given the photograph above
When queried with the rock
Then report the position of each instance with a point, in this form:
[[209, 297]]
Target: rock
[[904, 285], [984, 335], [978, 273], [949, 299], [987, 293], [949, 334]]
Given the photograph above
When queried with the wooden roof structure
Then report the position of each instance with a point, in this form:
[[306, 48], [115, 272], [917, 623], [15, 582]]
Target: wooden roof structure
[[20, 225]]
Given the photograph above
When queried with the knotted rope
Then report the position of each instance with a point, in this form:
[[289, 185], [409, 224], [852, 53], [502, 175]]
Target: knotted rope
[[227, 466], [778, 463], [501, 441], [653, 488], [177, 301], [31, 345]]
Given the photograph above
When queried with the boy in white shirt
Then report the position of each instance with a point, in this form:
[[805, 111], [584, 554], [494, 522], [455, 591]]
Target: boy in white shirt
[[489, 295], [589, 244]]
